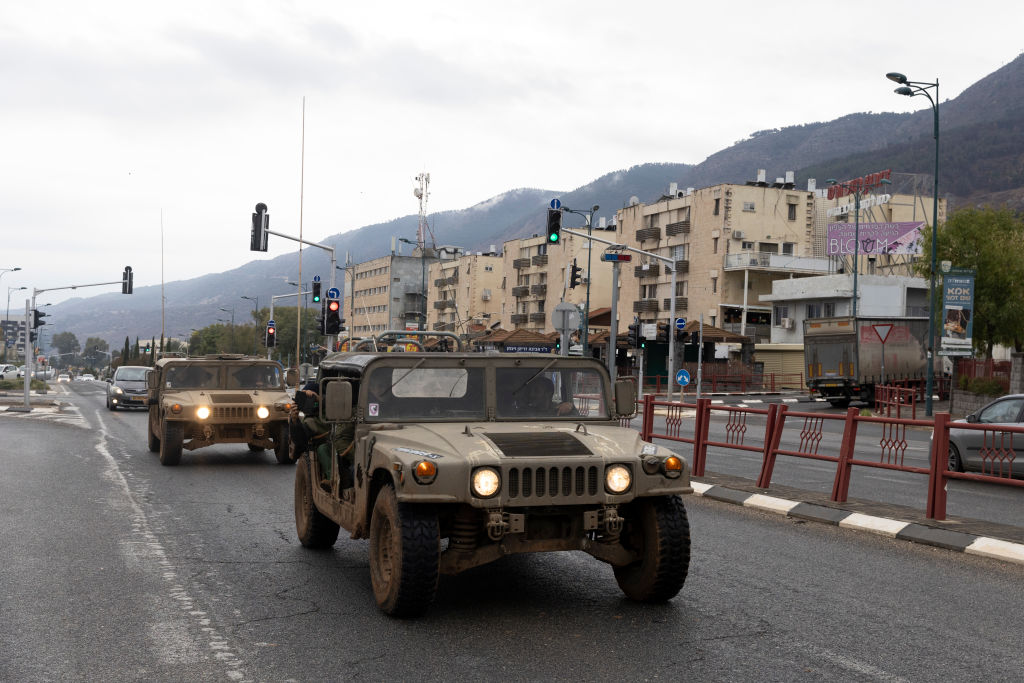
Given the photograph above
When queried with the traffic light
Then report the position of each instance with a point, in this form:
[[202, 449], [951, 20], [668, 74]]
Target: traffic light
[[554, 225], [271, 334], [332, 317], [38, 318], [316, 291], [574, 277], [681, 336], [636, 339], [662, 333], [126, 280], [260, 225]]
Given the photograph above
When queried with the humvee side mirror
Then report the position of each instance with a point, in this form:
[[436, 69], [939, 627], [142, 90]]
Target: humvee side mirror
[[625, 398], [337, 403], [291, 376]]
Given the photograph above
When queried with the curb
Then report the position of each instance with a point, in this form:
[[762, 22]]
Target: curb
[[893, 528]]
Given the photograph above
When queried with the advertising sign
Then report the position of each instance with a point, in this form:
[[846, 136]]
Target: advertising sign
[[957, 310], [875, 238]]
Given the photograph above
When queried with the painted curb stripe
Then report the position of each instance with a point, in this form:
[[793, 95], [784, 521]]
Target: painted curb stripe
[[877, 525], [700, 487], [770, 504], [1001, 550]]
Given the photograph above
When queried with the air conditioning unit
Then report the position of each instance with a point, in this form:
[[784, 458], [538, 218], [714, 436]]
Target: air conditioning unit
[[738, 234], [787, 323], [486, 295]]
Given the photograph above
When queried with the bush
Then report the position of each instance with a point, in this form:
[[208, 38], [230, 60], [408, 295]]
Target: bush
[[984, 386], [19, 385]]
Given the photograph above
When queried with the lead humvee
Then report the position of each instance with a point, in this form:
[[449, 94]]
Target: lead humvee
[[218, 398], [459, 459]]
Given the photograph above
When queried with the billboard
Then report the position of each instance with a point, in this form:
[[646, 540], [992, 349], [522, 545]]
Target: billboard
[[875, 238], [957, 312]]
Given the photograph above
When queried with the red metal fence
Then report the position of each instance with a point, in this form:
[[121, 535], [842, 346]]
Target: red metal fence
[[731, 381], [813, 443]]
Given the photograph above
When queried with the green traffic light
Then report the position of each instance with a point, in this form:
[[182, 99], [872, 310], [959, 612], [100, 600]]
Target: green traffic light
[[553, 237]]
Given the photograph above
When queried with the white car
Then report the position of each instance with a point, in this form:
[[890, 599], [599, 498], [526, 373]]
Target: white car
[[8, 372], [63, 377], [87, 378]]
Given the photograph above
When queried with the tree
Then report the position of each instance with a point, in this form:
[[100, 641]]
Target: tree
[[66, 342], [991, 241], [126, 352]]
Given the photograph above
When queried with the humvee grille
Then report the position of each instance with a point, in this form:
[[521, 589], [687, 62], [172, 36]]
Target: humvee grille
[[233, 412], [230, 398], [526, 445], [552, 482]]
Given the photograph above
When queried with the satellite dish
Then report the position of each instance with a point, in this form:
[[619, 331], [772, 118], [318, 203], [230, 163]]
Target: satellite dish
[[418, 193], [634, 200]]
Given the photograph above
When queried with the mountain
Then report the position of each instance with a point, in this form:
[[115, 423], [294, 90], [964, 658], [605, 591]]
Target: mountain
[[981, 161]]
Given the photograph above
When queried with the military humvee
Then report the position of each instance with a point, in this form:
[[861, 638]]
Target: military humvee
[[200, 401], [459, 459]]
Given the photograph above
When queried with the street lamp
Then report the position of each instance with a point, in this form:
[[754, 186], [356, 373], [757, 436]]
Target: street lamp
[[423, 279], [4, 271], [255, 316], [857, 192], [913, 89], [589, 215], [232, 312]]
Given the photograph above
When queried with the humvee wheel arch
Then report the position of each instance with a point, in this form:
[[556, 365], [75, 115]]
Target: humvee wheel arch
[[658, 530], [315, 530], [405, 549]]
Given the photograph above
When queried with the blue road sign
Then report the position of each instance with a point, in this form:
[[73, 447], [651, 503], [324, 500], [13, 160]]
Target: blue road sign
[[271, 322], [682, 378], [680, 323], [556, 203], [316, 278], [333, 293]]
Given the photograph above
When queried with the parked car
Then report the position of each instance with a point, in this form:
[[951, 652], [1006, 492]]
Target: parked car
[[63, 377], [9, 372], [127, 388], [975, 449]]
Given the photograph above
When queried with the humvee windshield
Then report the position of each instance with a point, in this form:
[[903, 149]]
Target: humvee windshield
[[254, 377], [537, 393]]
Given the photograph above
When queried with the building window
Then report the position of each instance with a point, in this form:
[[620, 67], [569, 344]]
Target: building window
[[488, 269], [792, 212], [714, 285], [714, 245], [748, 206], [780, 312], [718, 203], [648, 291], [787, 248], [813, 311], [747, 246], [829, 309], [679, 252], [681, 288]]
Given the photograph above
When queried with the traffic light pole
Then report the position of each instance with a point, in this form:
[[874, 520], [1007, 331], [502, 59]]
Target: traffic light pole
[[615, 294]]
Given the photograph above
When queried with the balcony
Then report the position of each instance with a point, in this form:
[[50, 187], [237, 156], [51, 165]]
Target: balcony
[[648, 234], [522, 290], [645, 306], [678, 228], [540, 260], [539, 290], [444, 327], [763, 260], [443, 304], [651, 270], [680, 304], [520, 318], [537, 317], [682, 266], [440, 282], [521, 263]]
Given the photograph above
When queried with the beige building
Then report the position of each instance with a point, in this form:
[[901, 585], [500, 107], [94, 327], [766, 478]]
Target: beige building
[[464, 293]]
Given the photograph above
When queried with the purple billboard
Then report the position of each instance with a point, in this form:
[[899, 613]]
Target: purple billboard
[[875, 238]]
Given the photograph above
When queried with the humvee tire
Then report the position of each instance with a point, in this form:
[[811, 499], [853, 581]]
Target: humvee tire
[[314, 529], [658, 530], [281, 451], [154, 442], [405, 550], [256, 449], [170, 443]]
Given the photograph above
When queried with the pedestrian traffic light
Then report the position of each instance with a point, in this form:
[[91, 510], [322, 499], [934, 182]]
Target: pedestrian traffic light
[[126, 280], [260, 225], [316, 291], [38, 318], [332, 317], [554, 225], [575, 275], [662, 333], [271, 335]]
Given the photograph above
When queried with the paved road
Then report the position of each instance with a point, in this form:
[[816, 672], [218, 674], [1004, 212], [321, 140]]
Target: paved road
[[117, 568]]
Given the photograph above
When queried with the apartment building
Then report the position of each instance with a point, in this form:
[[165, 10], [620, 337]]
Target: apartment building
[[464, 295]]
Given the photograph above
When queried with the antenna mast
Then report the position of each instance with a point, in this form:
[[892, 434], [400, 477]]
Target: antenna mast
[[422, 193]]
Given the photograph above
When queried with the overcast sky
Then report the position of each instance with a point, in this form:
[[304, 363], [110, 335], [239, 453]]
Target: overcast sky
[[118, 117]]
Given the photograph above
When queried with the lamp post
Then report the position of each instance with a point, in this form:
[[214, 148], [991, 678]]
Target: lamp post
[[4, 271], [255, 316], [232, 312], [857, 192], [913, 89], [589, 216], [423, 279]]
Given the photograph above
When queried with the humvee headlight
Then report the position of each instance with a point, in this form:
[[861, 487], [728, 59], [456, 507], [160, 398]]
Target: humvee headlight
[[262, 413], [202, 412], [486, 482], [673, 466], [424, 472], [617, 478]]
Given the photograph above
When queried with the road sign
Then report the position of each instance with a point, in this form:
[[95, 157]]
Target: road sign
[[556, 203], [333, 293], [271, 322], [882, 331], [649, 331], [565, 317], [680, 323], [682, 378], [316, 278], [616, 257]]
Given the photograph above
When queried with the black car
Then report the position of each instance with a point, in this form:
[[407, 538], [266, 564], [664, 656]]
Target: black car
[[127, 388]]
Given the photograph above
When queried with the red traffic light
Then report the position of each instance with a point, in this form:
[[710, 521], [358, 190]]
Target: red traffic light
[[271, 330], [333, 305]]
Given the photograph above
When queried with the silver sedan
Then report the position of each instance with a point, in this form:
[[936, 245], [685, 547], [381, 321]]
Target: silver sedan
[[990, 450]]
